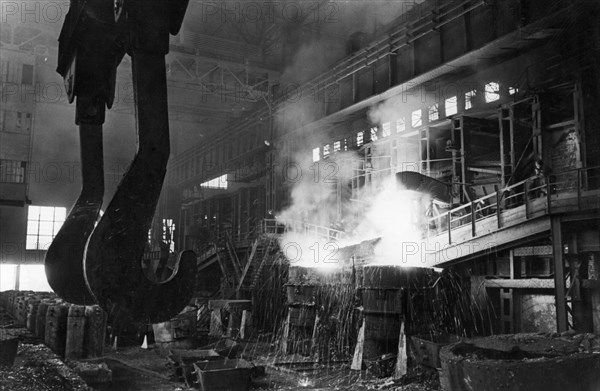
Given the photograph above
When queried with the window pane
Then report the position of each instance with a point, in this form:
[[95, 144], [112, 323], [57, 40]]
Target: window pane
[[374, 134], [492, 92], [31, 242], [57, 225], [60, 214], [33, 213], [316, 155], [32, 227], [470, 99], [434, 112], [400, 125], [44, 242], [47, 213], [416, 118], [451, 106], [386, 129], [27, 74], [46, 228]]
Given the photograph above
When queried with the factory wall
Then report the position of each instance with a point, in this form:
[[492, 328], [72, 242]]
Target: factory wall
[[310, 116]]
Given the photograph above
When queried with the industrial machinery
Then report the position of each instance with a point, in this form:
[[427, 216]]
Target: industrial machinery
[[443, 199], [99, 262]]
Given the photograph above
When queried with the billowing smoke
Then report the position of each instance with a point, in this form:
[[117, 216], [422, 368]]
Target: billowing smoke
[[322, 201], [330, 195]]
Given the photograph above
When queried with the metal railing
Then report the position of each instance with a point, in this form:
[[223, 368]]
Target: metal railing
[[272, 226], [572, 190]]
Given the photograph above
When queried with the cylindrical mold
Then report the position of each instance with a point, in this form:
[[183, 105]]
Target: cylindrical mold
[[301, 290], [382, 292], [179, 332], [75, 332], [18, 304], [95, 331], [469, 366], [11, 302], [56, 328], [40, 318], [393, 277], [32, 308]]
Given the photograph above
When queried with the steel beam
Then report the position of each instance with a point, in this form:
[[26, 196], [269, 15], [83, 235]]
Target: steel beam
[[559, 275]]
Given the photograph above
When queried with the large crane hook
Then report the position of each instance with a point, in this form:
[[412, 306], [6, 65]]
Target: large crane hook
[[93, 261]]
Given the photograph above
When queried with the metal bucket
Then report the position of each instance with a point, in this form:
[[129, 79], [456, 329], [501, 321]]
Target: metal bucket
[[225, 375], [8, 350]]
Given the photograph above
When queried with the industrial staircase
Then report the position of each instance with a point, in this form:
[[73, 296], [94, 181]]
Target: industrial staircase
[[241, 267]]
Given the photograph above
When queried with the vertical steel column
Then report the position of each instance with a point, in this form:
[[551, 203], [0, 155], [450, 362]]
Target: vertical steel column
[[559, 276]]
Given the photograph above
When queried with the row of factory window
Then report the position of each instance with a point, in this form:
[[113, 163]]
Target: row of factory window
[[432, 113], [203, 164], [15, 72], [15, 121]]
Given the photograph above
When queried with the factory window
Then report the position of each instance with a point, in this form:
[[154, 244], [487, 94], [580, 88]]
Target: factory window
[[337, 146], [15, 121], [400, 125], [512, 90], [360, 138], [416, 118], [316, 154], [451, 106], [43, 223], [386, 129], [10, 72], [326, 150], [12, 171], [492, 92], [27, 74], [374, 135], [434, 112], [216, 183], [470, 99]]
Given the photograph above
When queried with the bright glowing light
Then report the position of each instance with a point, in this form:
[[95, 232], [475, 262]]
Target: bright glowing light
[[387, 218], [305, 382], [33, 278], [216, 183], [8, 274]]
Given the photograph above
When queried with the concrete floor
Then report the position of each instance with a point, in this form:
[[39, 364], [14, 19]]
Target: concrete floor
[[136, 369]]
